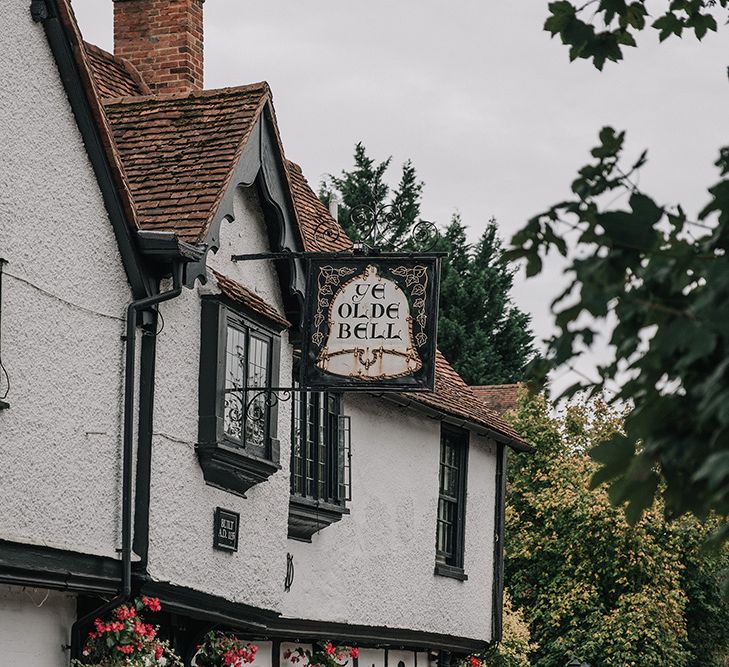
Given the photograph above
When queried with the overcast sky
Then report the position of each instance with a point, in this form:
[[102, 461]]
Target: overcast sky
[[493, 115]]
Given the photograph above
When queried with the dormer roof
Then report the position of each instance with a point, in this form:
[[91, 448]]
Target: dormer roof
[[180, 151], [173, 157]]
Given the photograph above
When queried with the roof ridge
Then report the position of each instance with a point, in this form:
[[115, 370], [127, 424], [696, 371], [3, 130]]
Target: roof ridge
[[210, 92]]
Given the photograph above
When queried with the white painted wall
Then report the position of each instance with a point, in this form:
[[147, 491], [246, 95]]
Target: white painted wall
[[64, 292], [182, 505], [35, 624], [64, 296], [375, 566]]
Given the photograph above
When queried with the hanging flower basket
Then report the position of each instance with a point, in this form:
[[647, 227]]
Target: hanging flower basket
[[126, 640], [323, 654], [223, 650]]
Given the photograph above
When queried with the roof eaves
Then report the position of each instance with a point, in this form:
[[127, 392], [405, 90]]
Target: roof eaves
[[68, 20], [449, 417], [68, 51], [284, 166]]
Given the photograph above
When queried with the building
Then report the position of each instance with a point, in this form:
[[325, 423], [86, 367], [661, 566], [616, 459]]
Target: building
[[136, 362]]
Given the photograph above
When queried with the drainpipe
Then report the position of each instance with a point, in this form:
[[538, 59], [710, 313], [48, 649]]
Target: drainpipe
[[133, 311]]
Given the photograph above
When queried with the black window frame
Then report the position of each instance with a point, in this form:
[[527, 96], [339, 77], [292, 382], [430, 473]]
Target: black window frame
[[450, 563], [316, 503], [229, 462]]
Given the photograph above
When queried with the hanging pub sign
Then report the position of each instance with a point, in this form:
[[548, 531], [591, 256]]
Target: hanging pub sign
[[371, 323]]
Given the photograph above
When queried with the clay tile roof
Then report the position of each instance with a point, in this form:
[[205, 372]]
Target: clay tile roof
[[115, 76], [91, 85], [242, 295], [319, 231], [453, 396], [499, 397], [180, 151]]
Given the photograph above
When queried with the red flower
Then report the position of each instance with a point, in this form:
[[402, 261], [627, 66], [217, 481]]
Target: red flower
[[354, 652], [152, 603], [475, 662], [329, 648], [158, 652], [124, 612]]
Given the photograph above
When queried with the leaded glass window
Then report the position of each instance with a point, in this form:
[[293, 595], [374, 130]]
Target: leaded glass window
[[247, 376]]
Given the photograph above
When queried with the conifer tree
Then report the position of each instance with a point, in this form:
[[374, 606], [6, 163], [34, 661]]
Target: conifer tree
[[480, 331]]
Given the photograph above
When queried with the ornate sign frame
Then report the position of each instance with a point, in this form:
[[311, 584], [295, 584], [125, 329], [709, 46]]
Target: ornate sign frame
[[415, 280]]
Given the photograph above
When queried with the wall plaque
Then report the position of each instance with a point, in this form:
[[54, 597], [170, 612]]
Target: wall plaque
[[371, 323], [226, 529]]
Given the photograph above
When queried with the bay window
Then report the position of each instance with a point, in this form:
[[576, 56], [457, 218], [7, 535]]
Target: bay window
[[238, 445]]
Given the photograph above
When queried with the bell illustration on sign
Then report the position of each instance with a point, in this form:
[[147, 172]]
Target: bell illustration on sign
[[371, 322], [370, 330]]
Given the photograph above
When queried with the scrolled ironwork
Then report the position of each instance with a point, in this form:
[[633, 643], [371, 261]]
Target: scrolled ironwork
[[257, 410], [383, 227], [326, 233]]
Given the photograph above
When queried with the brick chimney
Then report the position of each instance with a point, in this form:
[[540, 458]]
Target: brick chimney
[[164, 40]]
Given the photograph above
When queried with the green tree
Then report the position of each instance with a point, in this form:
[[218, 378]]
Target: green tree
[[364, 186], [654, 280], [480, 330], [515, 646], [590, 585]]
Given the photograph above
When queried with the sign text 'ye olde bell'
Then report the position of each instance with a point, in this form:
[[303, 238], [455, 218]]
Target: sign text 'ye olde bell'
[[372, 323]]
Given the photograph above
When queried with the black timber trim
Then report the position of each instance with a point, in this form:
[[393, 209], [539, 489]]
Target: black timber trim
[[81, 107], [499, 522], [370, 636], [262, 167], [207, 607], [267, 624], [451, 571], [147, 370], [46, 567], [307, 516], [453, 420]]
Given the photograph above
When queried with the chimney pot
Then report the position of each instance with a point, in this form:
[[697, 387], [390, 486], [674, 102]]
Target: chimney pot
[[163, 39]]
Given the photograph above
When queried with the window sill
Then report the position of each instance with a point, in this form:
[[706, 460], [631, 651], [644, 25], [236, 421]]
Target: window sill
[[307, 517], [232, 468], [450, 571]]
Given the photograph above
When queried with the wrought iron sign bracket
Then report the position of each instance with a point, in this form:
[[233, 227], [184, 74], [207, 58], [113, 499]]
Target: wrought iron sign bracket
[[374, 228], [332, 255]]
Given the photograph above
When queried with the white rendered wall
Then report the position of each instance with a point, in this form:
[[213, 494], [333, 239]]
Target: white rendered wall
[[375, 566], [35, 624], [63, 298], [182, 505]]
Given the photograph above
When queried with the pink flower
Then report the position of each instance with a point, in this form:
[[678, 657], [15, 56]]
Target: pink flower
[[152, 603], [329, 648], [354, 652]]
